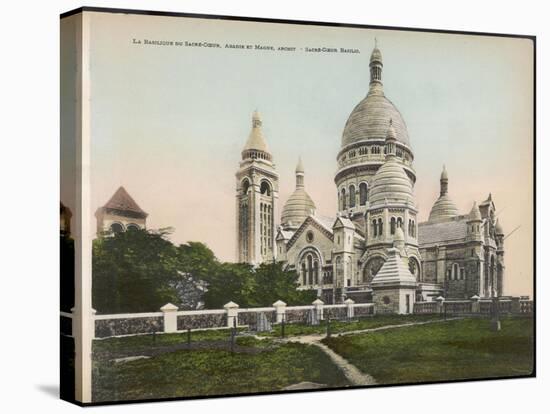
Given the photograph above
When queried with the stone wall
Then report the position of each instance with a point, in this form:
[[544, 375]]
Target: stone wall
[[297, 315], [362, 310], [336, 312], [202, 321], [249, 318], [128, 326]]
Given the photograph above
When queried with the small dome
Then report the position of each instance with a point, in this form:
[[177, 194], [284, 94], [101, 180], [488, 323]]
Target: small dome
[[297, 208], [369, 120], [443, 208], [474, 213], [376, 55], [498, 228], [391, 185]]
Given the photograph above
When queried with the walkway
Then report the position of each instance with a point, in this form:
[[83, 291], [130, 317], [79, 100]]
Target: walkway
[[351, 372]]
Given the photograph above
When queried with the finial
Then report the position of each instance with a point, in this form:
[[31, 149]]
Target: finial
[[375, 41], [300, 165]]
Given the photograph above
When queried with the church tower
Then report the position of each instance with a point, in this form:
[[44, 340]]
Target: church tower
[[257, 194]]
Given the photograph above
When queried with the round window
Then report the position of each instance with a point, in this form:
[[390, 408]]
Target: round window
[[309, 236], [386, 300]]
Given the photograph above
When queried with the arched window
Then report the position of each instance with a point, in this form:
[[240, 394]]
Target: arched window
[[413, 228], [265, 188], [380, 227], [132, 226], [392, 225], [363, 194], [304, 274], [338, 267], [245, 186], [352, 196], [400, 222], [316, 272], [310, 269], [374, 228], [455, 271], [117, 228], [343, 198]]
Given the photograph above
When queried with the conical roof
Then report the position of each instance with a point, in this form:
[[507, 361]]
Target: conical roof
[[474, 213], [256, 140], [122, 201]]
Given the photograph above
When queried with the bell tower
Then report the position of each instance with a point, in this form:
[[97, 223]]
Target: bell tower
[[257, 193]]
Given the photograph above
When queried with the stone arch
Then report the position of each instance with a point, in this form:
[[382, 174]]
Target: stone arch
[[117, 227], [371, 267], [363, 193], [352, 196], [265, 187], [245, 185], [414, 267]]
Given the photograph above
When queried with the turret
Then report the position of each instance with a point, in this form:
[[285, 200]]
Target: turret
[[256, 199], [474, 223]]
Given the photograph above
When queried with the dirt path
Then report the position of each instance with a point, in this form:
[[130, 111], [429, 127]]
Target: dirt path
[[351, 372]]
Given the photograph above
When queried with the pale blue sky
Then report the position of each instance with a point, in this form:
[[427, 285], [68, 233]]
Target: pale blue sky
[[169, 122]]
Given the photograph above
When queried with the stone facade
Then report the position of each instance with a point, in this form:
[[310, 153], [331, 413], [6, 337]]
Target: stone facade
[[452, 255]]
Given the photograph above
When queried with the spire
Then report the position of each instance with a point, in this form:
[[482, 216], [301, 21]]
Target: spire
[[376, 65], [444, 182], [256, 140], [391, 139], [300, 174], [474, 215]]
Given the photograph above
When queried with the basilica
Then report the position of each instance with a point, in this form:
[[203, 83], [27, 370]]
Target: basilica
[[374, 250]]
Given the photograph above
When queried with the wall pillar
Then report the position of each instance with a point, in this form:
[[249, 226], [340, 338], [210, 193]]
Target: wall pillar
[[318, 306], [475, 304], [440, 304], [232, 310], [170, 317], [280, 311], [516, 306], [350, 307]]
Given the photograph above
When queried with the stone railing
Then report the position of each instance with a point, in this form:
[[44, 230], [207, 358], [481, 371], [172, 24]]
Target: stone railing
[[475, 305], [170, 319]]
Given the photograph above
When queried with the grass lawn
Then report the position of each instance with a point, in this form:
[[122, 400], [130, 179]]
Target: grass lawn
[[266, 366], [456, 349], [343, 326]]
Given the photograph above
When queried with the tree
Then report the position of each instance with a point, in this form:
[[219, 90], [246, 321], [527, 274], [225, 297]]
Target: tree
[[274, 283], [254, 287], [229, 282], [140, 271]]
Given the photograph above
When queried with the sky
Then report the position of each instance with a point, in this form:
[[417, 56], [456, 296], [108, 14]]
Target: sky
[[169, 122]]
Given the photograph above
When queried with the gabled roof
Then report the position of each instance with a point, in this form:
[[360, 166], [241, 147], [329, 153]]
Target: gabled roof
[[122, 201], [317, 222], [284, 234], [343, 222]]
